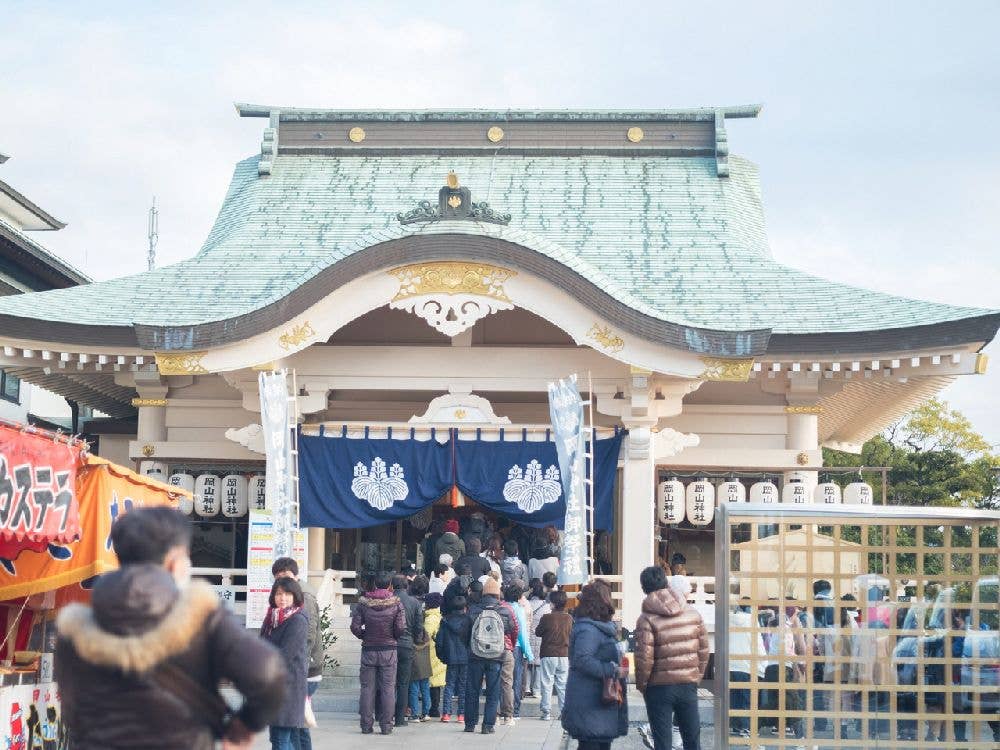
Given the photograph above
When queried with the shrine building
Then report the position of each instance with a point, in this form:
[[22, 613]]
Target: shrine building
[[423, 270]]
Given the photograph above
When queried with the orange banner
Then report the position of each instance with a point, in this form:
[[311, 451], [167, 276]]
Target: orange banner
[[105, 492]]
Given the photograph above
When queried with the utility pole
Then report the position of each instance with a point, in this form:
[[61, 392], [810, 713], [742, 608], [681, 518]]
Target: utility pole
[[153, 234]]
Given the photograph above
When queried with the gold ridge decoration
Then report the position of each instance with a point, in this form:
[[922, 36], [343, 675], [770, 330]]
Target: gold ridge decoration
[[452, 277], [604, 336], [635, 134], [294, 337], [802, 459], [181, 363], [495, 134], [139, 402], [803, 410], [733, 370], [357, 135]]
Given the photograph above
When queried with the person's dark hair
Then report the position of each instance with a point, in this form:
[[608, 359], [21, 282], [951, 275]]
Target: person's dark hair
[[464, 569], [678, 559], [550, 535], [510, 547], [558, 600], [595, 603], [419, 586], [440, 569], [408, 569], [383, 580], [821, 585], [458, 604], [146, 535], [473, 547], [652, 579], [512, 592], [399, 582], [285, 565], [536, 588], [549, 579], [433, 601], [291, 586], [475, 591]]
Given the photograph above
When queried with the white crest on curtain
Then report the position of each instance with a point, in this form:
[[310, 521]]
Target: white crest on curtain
[[531, 489], [379, 488]]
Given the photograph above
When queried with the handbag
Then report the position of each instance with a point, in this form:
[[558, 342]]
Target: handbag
[[611, 691]]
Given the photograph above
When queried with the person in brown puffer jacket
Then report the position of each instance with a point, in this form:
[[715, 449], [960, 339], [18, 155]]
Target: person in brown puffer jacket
[[671, 652]]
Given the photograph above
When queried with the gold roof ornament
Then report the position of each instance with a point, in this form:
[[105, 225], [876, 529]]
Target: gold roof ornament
[[181, 363], [356, 135], [452, 180], [495, 134], [635, 134], [729, 370]]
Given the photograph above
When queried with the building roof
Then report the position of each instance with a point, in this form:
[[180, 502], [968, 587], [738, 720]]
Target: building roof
[[41, 267], [661, 245], [27, 213]]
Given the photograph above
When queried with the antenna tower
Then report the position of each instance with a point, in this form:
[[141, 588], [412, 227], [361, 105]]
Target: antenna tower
[[153, 234]]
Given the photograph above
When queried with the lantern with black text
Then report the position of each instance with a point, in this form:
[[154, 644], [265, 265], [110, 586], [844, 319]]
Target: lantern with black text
[[234, 496], [258, 492], [184, 482], [154, 470], [671, 501], [732, 491], [206, 495], [858, 493], [827, 493], [700, 502], [795, 492], [764, 491]]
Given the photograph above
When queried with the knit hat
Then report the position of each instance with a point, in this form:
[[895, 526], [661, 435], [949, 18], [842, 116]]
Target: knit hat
[[451, 525], [445, 559], [491, 587]]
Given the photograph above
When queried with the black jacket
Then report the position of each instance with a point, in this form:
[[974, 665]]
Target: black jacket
[[414, 610], [107, 653], [479, 565], [452, 641], [292, 638]]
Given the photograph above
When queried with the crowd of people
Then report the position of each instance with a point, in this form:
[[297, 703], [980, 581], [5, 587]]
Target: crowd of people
[[142, 665], [869, 651]]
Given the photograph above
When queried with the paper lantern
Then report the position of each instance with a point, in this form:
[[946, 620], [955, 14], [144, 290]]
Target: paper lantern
[[827, 493], [795, 492], [258, 492], [184, 482], [234, 495], [858, 493], [206, 495], [764, 492], [671, 501], [732, 491], [701, 502], [154, 470]]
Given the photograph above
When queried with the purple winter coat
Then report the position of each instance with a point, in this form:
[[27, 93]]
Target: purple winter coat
[[379, 620]]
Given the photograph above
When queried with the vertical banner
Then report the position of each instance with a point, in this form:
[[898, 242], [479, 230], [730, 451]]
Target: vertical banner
[[566, 410], [273, 531]]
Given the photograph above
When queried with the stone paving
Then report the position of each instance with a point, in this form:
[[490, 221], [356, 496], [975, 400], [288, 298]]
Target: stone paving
[[338, 731]]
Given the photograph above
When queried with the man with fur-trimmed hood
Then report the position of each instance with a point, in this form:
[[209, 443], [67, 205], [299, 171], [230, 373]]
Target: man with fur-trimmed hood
[[141, 666]]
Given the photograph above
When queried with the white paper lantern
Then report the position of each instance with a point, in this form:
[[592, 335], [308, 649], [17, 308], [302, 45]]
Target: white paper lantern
[[827, 493], [184, 482], [701, 502], [764, 492], [206, 495], [234, 495], [258, 492], [732, 491], [671, 501], [858, 493], [795, 492], [154, 470]]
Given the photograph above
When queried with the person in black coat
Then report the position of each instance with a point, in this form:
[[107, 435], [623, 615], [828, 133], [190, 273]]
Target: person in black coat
[[593, 656], [413, 635], [478, 566], [286, 627]]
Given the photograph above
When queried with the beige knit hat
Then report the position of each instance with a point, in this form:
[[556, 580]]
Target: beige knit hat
[[491, 587]]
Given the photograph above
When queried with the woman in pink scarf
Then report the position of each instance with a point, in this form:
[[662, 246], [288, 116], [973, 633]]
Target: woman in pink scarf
[[287, 627]]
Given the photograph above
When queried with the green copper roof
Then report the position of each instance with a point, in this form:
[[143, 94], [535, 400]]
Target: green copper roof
[[663, 235]]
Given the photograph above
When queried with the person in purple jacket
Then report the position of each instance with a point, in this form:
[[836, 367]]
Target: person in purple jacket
[[379, 621]]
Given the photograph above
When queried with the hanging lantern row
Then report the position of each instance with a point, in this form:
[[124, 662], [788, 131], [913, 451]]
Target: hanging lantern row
[[231, 495], [697, 500]]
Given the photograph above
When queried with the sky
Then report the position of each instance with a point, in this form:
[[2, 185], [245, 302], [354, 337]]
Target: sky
[[877, 144]]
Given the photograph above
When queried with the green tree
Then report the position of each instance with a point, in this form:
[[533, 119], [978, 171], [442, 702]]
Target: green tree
[[936, 458]]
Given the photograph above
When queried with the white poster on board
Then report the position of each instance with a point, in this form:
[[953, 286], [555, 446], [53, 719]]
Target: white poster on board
[[260, 556]]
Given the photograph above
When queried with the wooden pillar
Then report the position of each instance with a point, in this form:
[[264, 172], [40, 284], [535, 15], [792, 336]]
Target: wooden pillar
[[638, 520]]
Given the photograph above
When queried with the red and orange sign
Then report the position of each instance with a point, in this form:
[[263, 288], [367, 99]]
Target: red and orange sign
[[37, 488], [105, 492]]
